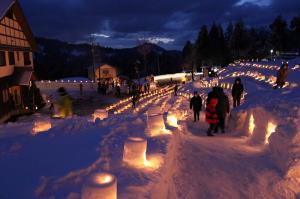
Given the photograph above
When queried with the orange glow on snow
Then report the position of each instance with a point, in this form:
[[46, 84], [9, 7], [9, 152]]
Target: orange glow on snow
[[103, 178], [271, 128], [41, 126], [251, 124], [172, 120]]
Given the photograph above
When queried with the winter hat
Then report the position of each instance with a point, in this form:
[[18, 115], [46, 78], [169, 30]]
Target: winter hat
[[237, 80]]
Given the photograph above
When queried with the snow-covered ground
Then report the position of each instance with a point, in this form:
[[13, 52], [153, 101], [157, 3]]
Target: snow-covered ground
[[258, 157]]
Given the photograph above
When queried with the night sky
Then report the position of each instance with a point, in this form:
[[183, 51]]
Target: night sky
[[170, 23]]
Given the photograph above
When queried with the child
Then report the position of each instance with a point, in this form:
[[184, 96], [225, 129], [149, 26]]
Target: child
[[211, 115]]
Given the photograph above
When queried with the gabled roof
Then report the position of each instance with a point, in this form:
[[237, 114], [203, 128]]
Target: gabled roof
[[5, 6]]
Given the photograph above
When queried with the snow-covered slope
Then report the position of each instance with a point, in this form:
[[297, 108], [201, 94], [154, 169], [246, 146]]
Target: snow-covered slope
[[256, 158]]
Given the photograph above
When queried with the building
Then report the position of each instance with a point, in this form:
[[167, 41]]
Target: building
[[104, 72], [17, 45]]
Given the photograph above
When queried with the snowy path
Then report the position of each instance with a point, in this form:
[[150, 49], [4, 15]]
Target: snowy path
[[225, 167]]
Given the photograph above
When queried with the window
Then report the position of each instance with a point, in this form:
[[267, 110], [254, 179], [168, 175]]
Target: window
[[27, 58], [11, 57], [2, 58]]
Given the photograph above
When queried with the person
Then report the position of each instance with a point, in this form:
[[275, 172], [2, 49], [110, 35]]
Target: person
[[212, 94], [281, 76], [134, 100], [237, 91], [175, 89], [222, 108], [211, 115], [196, 105], [64, 103]]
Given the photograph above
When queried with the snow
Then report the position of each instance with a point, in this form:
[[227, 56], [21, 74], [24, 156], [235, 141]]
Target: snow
[[258, 157]]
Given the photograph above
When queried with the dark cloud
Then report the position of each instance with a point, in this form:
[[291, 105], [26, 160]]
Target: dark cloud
[[124, 21]]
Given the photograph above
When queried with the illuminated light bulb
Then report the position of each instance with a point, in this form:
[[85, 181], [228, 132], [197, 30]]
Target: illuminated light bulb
[[41, 125], [100, 185], [271, 128]]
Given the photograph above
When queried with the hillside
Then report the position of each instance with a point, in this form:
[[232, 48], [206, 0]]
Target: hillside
[[57, 59]]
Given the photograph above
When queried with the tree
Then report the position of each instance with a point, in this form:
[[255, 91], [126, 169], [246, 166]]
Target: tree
[[144, 49], [239, 42], [201, 54], [229, 32], [295, 28], [187, 54], [214, 47], [279, 34]]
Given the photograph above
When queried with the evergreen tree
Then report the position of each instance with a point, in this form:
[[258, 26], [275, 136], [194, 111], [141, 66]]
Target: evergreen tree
[[279, 34], [187, 55], [225, 52], [239, 41], [228, 33], [214, 47], [295, 28], [201, 54]]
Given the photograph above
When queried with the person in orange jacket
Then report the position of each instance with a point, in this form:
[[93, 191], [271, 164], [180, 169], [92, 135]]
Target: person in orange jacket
[[211, 115]]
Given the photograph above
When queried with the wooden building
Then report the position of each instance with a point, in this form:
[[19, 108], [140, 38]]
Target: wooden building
[[16, 60], [104, 72]]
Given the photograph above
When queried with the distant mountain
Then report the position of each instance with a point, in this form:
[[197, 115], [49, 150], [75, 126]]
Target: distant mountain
[[57, 59]]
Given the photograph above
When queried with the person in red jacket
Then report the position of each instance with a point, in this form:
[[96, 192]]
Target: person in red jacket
[[211, 115]]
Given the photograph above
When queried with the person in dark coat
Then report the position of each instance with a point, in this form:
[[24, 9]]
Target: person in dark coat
[[237, 91], [211, 115], [222, 108], [281, 76], [196, 105], [175, 89], [134, 100]]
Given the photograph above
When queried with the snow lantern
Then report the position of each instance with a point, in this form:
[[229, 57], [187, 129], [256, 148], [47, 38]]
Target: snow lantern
[[172, 119], [100, 113], [135, 152], [155, 122], [41, 125], [271, 128], [100, 185], [251, 124], [156, 125]]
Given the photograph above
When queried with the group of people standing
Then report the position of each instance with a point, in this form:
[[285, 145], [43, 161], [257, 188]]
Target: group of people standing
[[217, 106]]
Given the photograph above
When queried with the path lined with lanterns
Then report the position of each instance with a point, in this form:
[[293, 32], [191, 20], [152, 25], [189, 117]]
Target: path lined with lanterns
[[167, 155]]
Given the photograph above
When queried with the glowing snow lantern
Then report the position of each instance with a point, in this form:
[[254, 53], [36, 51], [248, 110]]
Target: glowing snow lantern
[[101, 114], [172, 119], [41, 125], [271, 128], [251, 124], [100, 185], [155, 122], [135, 152]]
